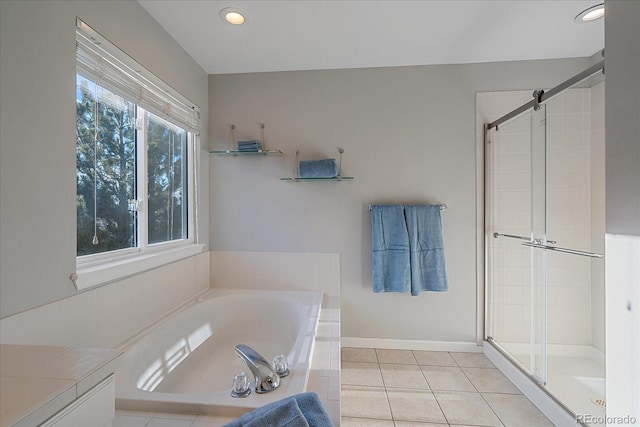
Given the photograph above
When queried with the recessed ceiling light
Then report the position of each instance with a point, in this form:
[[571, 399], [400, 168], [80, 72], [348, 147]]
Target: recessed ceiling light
[[590, 14], [233, 16]]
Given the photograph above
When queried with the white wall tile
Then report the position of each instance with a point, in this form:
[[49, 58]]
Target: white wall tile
[[12, 329], [106, 316], [276, 270], [44, 325]]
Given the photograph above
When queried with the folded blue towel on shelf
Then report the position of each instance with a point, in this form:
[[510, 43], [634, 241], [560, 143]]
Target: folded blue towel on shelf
[[424, 225], [391, 271], [300, 410], [326, 168], [252, 145]]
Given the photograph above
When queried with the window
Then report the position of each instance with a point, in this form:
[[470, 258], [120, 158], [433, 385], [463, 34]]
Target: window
[[135, 149], [105, 170]]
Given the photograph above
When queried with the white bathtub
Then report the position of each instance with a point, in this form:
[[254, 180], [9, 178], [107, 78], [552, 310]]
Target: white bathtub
[[187, 361]]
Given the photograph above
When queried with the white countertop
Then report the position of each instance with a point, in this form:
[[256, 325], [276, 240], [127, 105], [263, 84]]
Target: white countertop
[[38, 381]]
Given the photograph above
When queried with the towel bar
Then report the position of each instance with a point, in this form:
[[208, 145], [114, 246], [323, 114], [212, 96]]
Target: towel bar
[[443, 207]]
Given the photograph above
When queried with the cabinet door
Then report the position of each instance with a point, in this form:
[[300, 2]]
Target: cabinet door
[[94, 408]]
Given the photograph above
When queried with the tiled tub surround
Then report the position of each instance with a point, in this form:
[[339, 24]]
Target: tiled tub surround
[[299, 271], [401, 388], [106, 317], [186, 362], [39, 381], [324, 379]]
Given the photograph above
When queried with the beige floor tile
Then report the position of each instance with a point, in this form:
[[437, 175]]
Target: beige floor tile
[[396, 356], [446, 378], [490, 380], [351, 354], [129, 421], [516, 410], [472, 360], [169, 422], [364, 422], [403, 376], [434, 358], [365, 402], [417, 424], [414, 405], [361, 373], [466, 408], [211, 421]]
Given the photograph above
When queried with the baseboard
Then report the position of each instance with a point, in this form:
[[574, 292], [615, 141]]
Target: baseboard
[[547, 405], [393, 344]]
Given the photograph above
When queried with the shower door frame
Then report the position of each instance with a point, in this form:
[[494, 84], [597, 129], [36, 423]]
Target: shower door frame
[[539, 98]]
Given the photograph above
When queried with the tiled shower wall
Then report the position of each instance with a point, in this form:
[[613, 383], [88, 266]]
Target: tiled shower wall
[[573, 218]]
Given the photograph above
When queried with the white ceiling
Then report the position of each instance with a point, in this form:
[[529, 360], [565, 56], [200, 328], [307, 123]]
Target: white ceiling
[[328, 34]]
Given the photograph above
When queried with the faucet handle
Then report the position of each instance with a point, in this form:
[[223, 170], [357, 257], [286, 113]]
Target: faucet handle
[[240, 385], [281, 365]]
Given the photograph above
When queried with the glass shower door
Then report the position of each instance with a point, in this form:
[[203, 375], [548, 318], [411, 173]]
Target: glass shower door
[[544, 213], [539, 235], [509, 274], [517, 273]]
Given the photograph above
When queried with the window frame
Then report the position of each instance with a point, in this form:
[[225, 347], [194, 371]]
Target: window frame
[[104, 267]]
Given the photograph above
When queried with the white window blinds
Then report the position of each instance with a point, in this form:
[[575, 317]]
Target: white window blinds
[[101, 61]]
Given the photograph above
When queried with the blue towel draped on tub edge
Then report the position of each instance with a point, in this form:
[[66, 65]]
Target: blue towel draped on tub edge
[[407, 249], [300, 410], [390, 249]]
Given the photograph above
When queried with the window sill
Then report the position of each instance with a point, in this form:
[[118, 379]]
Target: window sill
[[89, 277]]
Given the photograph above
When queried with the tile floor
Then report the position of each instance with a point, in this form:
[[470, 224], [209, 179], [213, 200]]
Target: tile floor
[[403, 388]]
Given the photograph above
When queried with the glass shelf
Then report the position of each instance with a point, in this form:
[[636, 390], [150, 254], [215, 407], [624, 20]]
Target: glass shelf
[[246, 153], [337, 178]]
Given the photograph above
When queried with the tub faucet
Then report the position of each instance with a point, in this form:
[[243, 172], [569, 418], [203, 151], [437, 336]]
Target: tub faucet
[[266, 377]]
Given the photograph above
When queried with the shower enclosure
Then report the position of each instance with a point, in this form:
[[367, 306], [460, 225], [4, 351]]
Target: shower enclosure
[[544, 240]]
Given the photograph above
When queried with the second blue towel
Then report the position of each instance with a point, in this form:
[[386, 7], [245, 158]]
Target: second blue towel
[[326, 168], [390, 249], [424, 226]]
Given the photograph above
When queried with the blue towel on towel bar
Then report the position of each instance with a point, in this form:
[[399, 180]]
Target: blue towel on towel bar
[[326, 168], [424, 226], [300, 410], [390, 249]]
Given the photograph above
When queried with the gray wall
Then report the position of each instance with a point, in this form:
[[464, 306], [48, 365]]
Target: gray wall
[[622, 32], [622, 109], [37, 141], [409, 137]]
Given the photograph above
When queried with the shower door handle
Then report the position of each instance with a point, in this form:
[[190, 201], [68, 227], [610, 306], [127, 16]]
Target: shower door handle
[[513, 236], [564, 250]]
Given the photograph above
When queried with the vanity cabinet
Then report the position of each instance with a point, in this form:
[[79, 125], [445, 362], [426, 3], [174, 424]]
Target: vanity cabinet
[[94, 408]]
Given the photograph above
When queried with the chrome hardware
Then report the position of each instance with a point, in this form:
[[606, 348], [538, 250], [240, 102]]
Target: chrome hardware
[[240, 385], [564, 250], [281, 365], [510, 236], [526, 239], [537, 99], [265, 376]]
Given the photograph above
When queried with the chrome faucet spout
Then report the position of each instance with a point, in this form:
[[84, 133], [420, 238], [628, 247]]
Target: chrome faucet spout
[[265, 376]]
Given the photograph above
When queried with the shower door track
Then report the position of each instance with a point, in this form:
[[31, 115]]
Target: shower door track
[[534, 379], [541, 96]]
